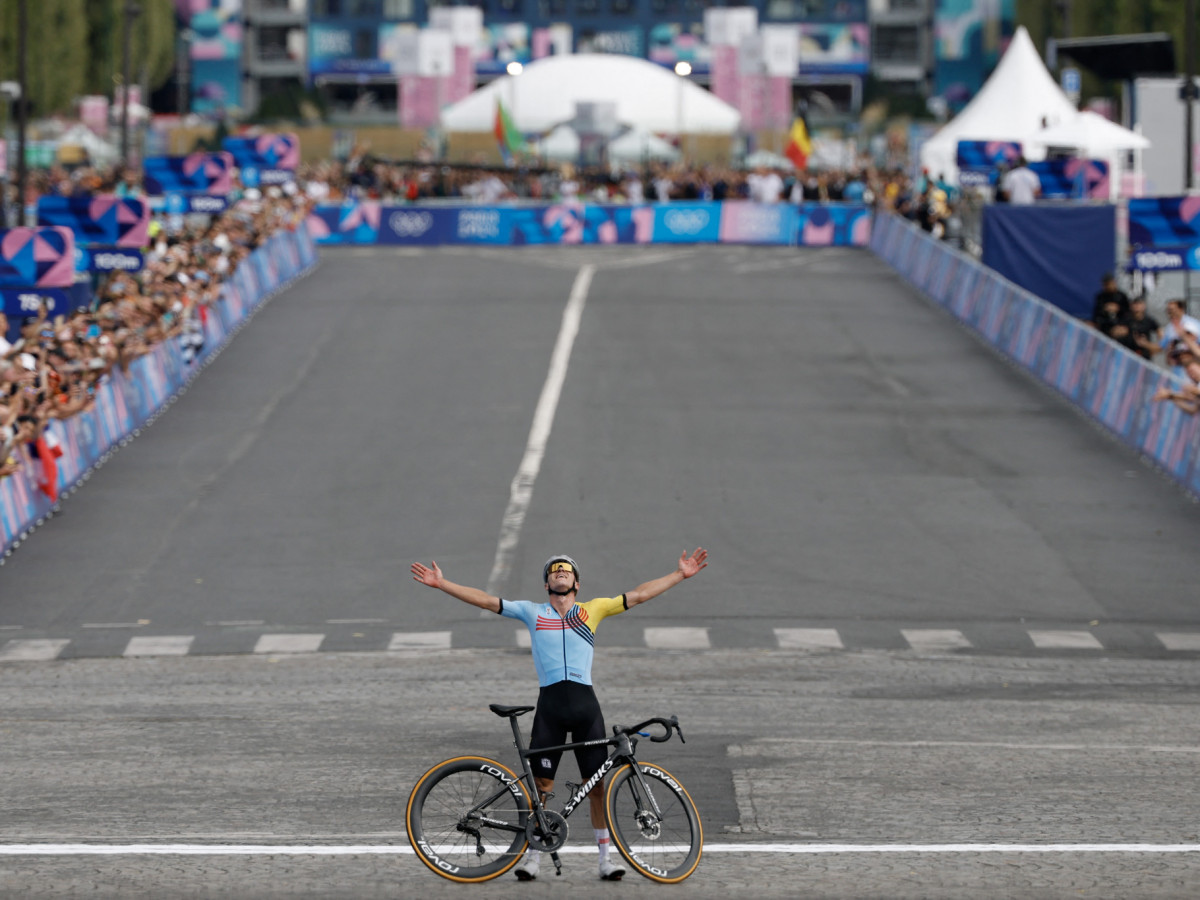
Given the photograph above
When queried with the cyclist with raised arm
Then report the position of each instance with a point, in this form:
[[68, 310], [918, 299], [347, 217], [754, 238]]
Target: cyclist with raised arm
[[562, 635]]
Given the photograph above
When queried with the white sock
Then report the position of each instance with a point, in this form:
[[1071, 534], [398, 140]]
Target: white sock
[[602, 842]]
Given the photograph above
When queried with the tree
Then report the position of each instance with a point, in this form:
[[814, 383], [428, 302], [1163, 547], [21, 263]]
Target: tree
[[73, 47], [152, 44], [55, 51]]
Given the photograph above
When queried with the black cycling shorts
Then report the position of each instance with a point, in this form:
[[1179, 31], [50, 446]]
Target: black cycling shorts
[[563, 707]]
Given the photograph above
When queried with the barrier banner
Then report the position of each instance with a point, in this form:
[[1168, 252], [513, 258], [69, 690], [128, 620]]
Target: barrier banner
[[37, 257], [1072, 179], [22, 303], [108, 259], [125, 400], [1164, 233], [810, 224], [1112, 384], [98, 221], [196, 173], [979, 162], [266, 159]]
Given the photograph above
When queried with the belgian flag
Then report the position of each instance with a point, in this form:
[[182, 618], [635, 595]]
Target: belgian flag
[[799, 145]]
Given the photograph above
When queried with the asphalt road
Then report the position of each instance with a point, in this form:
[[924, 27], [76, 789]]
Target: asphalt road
[[941, 609]]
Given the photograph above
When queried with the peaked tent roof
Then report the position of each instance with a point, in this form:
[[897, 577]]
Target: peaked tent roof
[[1090, 132], [1017, 101], [648, 97]]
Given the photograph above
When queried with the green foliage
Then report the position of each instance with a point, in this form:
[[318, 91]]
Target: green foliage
[[73, 47]]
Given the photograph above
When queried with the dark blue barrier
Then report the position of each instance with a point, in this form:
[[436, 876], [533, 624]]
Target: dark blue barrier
[[196, 173], [98, 221], [1113, 385], [125, 400], [809, 224], [1057, 252]]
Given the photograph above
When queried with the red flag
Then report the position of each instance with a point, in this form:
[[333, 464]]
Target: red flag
[[48, 453]]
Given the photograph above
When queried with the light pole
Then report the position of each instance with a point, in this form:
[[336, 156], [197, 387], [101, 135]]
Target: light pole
[[683, 69], [1188, 94], [514, 69], [22, 104], [130, 12], [183, 96]]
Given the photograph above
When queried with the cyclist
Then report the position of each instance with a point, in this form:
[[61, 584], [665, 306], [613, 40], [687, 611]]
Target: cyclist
[[562, 634]]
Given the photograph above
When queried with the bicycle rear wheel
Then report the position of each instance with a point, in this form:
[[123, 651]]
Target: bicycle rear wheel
[[664, 846], [466, 818]]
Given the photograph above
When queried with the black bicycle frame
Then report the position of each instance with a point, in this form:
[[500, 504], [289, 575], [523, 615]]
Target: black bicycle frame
[[624, 750]]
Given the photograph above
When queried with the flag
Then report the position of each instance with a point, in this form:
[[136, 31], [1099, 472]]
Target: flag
[[799, 146], [48, 450], [507, 136]]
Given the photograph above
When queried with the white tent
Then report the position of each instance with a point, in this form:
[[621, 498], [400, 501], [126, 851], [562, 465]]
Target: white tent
[[561, 144], [636, 146], [1092, 134], [1019, 100], [647, 97]]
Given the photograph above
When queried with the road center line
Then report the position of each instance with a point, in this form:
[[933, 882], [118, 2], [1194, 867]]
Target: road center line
[[404, 850], [543, 418]]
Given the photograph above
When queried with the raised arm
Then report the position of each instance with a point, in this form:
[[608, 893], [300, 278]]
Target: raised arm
[[689, 565], [433, 578]]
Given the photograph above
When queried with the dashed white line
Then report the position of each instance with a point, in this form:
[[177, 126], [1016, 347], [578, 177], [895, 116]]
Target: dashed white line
[[419, 640], [680, 638], [162, 645], [929, 640], [1065, 640], [32, 649], [808, 639], [289, 643]]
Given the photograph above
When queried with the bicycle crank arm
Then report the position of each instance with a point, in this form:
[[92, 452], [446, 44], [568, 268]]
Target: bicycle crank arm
[[557, 862]]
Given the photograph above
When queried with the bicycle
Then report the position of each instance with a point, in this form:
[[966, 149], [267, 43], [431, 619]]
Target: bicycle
[[471, 818]]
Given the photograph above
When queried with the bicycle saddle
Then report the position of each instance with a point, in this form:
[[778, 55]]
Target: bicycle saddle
[[503, 711]]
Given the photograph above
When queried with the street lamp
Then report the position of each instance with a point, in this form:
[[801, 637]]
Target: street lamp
[[22, 107], [514, 69], [683, 69], [129, 13]]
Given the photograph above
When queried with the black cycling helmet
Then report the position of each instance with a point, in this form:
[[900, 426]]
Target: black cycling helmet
[[560, 557]]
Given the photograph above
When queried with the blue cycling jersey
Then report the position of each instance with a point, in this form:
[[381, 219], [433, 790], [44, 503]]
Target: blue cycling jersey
[[563, 645]]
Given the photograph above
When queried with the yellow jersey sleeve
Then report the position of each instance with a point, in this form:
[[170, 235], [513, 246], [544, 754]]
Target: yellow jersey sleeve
[[595, 611]]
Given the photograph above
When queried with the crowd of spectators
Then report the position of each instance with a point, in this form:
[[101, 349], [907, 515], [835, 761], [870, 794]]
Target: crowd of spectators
[[51, 363], [365, 177]]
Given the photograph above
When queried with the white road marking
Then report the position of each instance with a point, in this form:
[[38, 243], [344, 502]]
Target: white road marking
[[163, 645], [288, 643], [928, 640], [355, 621], [808, 639], [32, 649], [680, 638], [1065, 640], [420, 640], [1179, 641], [403, 850], [774, 746], [521, 491]]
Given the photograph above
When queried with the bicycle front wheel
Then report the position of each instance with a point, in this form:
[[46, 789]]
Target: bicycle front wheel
[[466, 818], [653, 822]]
